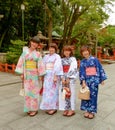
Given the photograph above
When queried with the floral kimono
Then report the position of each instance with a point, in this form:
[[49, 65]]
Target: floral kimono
[[50, 88], [92, 72], [69, 71], [31, 66]]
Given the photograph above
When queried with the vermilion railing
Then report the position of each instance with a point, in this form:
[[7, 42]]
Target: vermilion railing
[[7, 67]]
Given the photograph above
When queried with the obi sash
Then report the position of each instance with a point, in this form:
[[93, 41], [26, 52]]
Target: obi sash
[[90, 71], [31, 64], [49, 66], [66, 68]]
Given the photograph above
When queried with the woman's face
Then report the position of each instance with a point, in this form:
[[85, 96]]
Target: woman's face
[[34, 45], [67, 53], [51, 50], [86, 54]]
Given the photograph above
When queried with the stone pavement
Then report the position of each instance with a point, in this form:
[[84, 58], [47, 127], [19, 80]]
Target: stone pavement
[[13, 118]]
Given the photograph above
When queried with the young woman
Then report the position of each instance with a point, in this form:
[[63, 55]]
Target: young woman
[[30, 66], [54, 70], [67, 92], [91, 74]]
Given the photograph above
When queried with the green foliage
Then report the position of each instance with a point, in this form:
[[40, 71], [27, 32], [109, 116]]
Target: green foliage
[[34, 19], [15, 50], [107, 36], [78, 19], [83, 18]]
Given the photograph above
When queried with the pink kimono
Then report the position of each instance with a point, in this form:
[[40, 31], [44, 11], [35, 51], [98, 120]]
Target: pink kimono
[[31, 65]]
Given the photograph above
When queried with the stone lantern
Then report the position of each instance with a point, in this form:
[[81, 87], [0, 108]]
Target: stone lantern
[[43, 41]]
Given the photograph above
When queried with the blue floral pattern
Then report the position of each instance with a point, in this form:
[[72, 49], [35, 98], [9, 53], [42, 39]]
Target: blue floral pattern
[[92, 82]]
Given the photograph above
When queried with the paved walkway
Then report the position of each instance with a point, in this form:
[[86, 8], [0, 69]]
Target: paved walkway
[[13, 118]]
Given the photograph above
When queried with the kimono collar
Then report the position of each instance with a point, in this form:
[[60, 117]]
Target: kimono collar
[[88, 57], [52, 54]]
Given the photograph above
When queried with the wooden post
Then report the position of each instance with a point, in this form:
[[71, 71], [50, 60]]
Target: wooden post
[[13, 68], [114, 53], [6, 67]]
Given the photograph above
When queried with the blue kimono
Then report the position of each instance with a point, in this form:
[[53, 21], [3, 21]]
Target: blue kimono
[[92, 72]]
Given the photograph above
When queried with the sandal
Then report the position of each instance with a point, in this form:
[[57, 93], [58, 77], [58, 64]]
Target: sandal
[[33, 113], [86, 115], [70, 113], [51, 112], [91, 116], [65, 113], [28, 113]]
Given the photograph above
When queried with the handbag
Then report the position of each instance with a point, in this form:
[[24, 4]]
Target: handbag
[[66, 93], [41, 91], [22, 91], [84, 93]]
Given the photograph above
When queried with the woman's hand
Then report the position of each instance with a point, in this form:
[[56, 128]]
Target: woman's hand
[[41, 78], [63, 81], [102, 83], [67, 81], [83, 84], [22, 77], [55, 78]]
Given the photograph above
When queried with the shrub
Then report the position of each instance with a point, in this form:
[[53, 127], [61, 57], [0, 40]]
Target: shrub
[[15, 50]]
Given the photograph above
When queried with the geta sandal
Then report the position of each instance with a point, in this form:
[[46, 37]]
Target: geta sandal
[[33, 113], [51, 112], [91, 116], [86, 115], [65, 113], [70, 113]]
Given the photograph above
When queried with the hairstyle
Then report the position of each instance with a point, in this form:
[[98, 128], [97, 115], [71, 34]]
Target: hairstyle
[[53, 45], [34, 39], [85, 48], [67, 48]]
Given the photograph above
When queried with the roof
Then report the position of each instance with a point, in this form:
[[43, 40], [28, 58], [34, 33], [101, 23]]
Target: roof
[[55, 34], [40, 36]]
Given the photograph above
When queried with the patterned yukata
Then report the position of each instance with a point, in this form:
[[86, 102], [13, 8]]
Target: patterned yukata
[[71, 73], [30, 64], [50, 97], [92, 72]]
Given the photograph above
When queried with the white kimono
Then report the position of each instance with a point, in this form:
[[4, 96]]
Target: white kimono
[[64, 103]]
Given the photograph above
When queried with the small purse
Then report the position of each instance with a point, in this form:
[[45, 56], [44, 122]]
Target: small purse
[[22, 91], [41, 91], [84, 93], [66, 93]]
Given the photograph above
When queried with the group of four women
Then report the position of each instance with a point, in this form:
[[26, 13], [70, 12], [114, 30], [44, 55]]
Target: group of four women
[[59, 79]]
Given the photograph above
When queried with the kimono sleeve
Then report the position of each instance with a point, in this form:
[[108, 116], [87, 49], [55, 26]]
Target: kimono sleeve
[[58, 69], [41, 66], [82, 74], [100, 71], [20, 65], [72, 73]]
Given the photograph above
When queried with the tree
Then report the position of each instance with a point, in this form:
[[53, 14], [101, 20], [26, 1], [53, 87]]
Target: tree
[[50, 9], [107, 36], [82, 15], [35, 19]]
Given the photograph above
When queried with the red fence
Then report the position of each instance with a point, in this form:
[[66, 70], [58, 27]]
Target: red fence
[[7, 68]]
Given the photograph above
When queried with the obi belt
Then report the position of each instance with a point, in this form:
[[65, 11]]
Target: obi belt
[[50, 66], [91, 71], [31, 64], [66, 68]]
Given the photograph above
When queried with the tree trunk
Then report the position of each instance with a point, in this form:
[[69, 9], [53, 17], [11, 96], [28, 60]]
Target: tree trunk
[[50, 22]]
